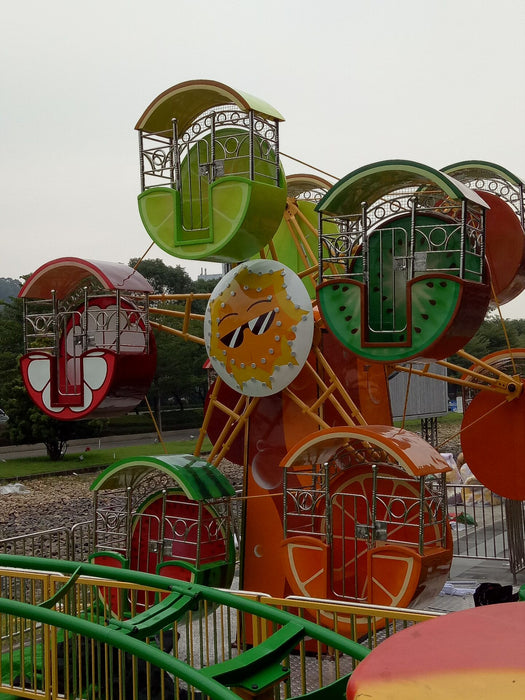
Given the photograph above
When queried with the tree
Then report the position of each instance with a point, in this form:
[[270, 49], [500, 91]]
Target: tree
[[11, 343], [180, 372], [163, 279], [492, 336], [26, 423], [9, 288]]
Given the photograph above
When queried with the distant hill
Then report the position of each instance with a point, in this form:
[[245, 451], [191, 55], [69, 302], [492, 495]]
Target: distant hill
[[8, 288]]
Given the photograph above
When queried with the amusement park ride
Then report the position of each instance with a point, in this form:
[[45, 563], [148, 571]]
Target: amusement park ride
[[327, 290]]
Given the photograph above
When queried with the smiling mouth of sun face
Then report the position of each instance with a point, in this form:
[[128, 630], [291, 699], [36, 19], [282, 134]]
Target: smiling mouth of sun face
[[254, 326]]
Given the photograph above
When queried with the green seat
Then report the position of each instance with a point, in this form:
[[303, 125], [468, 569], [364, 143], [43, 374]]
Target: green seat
[[261, 666], [332, 691], [159, 616]]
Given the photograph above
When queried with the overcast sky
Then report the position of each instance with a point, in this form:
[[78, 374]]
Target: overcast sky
[[357, 81]]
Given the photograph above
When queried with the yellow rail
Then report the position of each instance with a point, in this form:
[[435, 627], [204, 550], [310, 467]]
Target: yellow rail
[[40, 661]]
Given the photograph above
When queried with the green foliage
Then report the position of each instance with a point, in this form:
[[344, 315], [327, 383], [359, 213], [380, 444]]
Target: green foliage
[[180, 374], [202, 287], [9, 288], [492, 336], [11, 338], [180, 377], [135, 423], [97, 426], [28, 424], [163, 278]]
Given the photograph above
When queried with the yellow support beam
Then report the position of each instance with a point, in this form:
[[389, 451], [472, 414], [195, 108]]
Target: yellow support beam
[[178, 333], [509, 386]]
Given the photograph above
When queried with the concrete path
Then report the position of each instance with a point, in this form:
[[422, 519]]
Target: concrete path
[[17, 451], [467, 574]]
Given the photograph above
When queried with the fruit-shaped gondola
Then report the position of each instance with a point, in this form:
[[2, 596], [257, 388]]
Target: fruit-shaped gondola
[[89, 350], [167, 515], [212, 187], [410, 241], [504, 192]]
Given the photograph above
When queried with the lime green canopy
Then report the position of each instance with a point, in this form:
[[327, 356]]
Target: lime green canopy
[[198, 479], [186, 101], [479, 169], [299, 183], [371, 182]]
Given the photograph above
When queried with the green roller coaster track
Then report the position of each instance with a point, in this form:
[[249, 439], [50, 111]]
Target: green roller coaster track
[[258, 667]]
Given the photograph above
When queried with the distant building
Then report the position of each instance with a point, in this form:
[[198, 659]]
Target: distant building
[[426, 397], [205, 276]]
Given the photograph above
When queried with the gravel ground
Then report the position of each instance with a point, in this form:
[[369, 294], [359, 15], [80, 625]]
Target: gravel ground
[[51, 501], [62, 501]]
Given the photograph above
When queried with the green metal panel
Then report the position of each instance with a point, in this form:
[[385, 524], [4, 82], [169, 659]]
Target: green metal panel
[[186, 101], [433, 302], [198, 479], [157, 209], [261, 666], [371, 182], [224, 218], [481, 169], [119, 640], [408, 298], [261, 106]]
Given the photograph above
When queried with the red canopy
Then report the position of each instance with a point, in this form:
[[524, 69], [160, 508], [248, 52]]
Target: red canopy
[[64, 275]]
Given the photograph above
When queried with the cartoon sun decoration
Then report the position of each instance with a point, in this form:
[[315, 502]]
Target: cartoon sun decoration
[[259, 327]]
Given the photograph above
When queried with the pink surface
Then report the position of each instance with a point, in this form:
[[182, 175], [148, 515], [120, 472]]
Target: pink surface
[[484, 639]]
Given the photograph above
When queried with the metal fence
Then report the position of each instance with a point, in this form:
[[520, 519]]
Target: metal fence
[[40, 660], [74, 543], [486, 526]]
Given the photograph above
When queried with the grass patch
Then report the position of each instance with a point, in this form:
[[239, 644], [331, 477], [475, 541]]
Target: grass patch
[[451, 419], [92, 459], [13, 469]]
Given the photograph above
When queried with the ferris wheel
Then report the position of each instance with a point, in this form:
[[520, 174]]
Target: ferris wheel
[[330, 289]]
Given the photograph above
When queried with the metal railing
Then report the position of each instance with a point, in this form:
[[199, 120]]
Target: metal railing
[[74, 543], [41, 660], [486, 526]]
